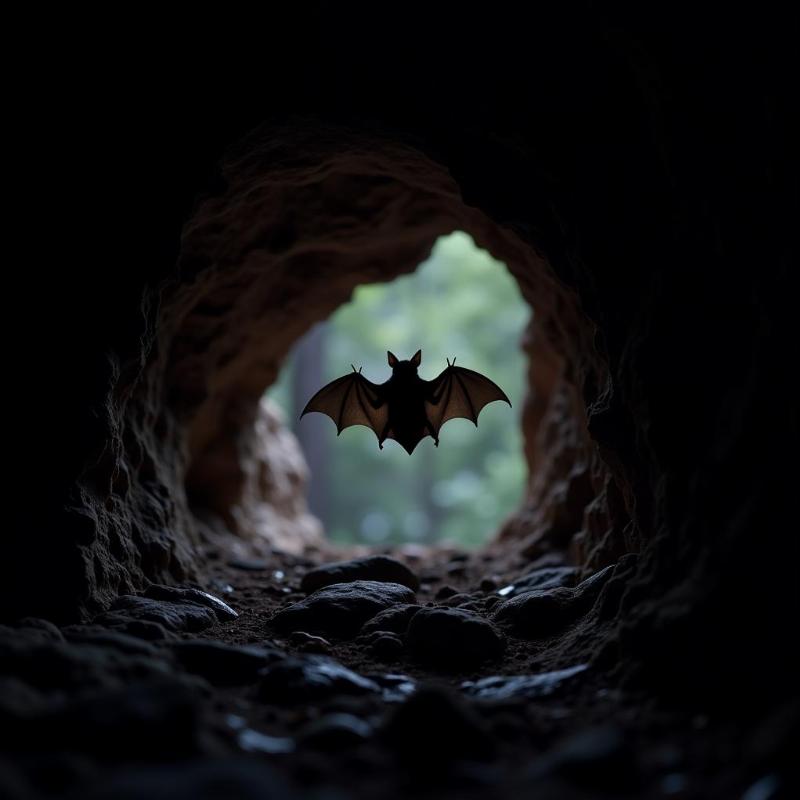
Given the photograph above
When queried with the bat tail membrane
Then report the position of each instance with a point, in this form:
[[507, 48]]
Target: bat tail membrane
[[460, 392]]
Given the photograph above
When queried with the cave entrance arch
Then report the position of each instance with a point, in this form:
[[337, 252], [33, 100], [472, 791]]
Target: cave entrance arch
[[460, 302]]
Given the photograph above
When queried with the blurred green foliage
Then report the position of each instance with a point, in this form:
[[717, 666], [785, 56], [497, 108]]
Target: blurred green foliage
[[460, 302]]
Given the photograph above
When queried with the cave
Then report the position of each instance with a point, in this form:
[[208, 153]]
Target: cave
[[175, 622]]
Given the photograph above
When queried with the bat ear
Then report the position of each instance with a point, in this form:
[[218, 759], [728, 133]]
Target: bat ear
[[417, 359], [392, 358]]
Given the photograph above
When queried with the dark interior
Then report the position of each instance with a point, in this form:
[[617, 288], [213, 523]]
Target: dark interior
[[208, 207]]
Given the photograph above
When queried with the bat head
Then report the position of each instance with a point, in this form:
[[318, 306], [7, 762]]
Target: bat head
[[405, 367]]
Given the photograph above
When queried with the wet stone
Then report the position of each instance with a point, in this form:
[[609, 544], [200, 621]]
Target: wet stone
[[223, 664], [171, 616], [505, 687], [311, 679], [342, 608], [371, 568], [452, 638], [545, 578], [188, 595]]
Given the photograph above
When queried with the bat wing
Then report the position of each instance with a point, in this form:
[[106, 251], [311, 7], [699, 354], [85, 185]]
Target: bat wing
[[351, 400], [459, 392]]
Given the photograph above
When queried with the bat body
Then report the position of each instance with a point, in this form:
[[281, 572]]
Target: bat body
[[405, 408]]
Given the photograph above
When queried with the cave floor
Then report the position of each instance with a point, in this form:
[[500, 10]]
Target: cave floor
[[145, 702]]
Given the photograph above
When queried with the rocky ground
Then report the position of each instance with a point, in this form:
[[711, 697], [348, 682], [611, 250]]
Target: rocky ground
[[373, 677]]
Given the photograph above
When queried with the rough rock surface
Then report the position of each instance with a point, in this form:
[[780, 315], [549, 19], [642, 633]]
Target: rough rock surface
[[342, 608], [542, 612], [451, 638], [369, 568], [394, 619]]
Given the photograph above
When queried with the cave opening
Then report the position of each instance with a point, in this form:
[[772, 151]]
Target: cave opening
[[458, 301]]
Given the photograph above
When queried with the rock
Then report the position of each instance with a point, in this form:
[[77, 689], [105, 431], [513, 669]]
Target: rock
[[452, 638], [393, 620], [538, 613], [370, 568], [140, 628], [223, 664], [44, 627], [307, 643], [155, 719], [335, 732], [342, 608], [176, 617], [505, 687], [545, 578], [598, 759], [395, 687], [434, 726], [188, 595], [103, 637], [311, 679], [385, 645], [460, 599], [543, 612], [488, 585], [445, 592]]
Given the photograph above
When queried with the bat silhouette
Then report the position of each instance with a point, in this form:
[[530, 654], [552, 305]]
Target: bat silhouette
[[405, 408]]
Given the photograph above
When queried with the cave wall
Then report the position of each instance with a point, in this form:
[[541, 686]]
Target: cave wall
[[648, 163]]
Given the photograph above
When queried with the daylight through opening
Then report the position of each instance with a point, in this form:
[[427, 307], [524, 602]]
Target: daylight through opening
[[461, 302]]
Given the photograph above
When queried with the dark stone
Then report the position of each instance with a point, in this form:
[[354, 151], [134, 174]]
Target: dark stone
[[452, 638], [394, 619], [505, 687], [445, 592], [342, 608], [434, 726], [335, 732], [311, 679], [177, 617], [188, 595], [307, 643], [545, 578], [543, 612], [103, 637], [488, 585], [223, 664], [140, 628], [385, 645], [369, 568]]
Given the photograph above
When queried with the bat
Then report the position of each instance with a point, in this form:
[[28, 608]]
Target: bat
[[405, 408]]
